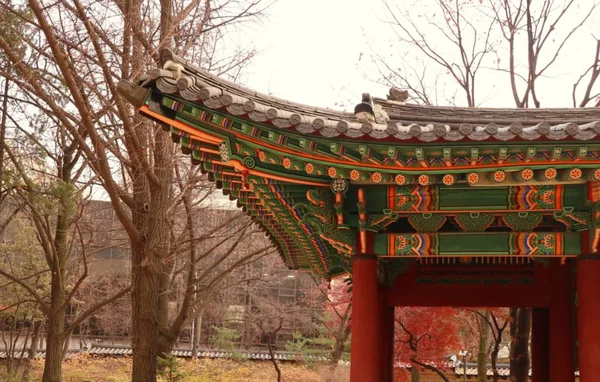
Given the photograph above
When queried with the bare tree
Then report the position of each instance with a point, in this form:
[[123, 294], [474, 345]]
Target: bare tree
[[497, 321], [202, 265], [69, 71], [270, 317], [49, 193], [469, 48], [444, 51], [482, 352], [540, 23]]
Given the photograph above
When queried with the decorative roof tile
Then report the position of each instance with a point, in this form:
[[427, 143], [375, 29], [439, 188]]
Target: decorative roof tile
[[406, 121]]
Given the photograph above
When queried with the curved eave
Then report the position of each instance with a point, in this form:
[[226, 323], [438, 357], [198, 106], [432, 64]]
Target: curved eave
[[406, 122], [278, 155], [268, 202]]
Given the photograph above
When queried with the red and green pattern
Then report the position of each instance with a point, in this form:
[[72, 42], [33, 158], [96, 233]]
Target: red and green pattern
[[413, 198], [536, 244], [415, 244], [535, 197]]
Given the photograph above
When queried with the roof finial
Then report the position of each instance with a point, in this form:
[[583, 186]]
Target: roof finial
[[397, 95], [364, 110], [174, 67], [368, 112]]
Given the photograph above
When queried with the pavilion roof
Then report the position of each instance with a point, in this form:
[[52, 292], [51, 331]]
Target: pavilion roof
[[297, 169], [403, 121]]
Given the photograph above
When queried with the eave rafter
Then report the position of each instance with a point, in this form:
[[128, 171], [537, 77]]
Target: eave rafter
[[303, 158]]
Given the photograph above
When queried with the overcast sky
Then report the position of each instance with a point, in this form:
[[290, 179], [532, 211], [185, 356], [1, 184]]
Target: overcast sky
[[310, 51], [319, 52]]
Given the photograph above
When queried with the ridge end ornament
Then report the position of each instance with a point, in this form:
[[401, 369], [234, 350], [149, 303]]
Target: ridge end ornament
[[175, 68], [368, 112], [397, 95]]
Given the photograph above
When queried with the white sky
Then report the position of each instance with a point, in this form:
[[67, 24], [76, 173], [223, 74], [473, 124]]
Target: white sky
[[310, 51], [319, 52]]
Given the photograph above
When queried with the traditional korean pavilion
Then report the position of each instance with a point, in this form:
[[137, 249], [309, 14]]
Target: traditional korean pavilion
[[422, 205]]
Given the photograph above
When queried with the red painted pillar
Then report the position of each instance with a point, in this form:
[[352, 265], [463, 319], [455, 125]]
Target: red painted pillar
[[588, 317], [365, 356], [540, 345], [562, 337]]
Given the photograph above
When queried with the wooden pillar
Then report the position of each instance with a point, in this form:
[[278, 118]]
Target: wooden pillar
[[540, 345], [562, 338], [366, 354], [588, 314]]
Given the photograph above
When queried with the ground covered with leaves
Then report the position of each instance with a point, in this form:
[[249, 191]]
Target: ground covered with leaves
[[88, 368]]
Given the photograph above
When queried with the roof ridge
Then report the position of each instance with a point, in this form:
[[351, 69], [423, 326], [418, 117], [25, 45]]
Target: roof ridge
[[427, 123]]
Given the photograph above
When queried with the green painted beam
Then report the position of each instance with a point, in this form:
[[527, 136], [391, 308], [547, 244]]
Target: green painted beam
[[478, 244]]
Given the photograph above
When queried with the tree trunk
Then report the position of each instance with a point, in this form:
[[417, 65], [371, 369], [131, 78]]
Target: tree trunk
[[430, 368], [197, 333], [166, 337], [272, 357], [150, 217], [35, 339], [166, 342], [338, 347], [484, 334], [55, 335], [33, 348], [415, 373], [520, 328], [144, 296], [494, 359]]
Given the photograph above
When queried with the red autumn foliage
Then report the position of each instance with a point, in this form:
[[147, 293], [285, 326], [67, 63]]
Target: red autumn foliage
[[425, 334]]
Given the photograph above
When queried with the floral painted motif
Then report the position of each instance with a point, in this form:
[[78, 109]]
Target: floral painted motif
[[354, 174], [287, 163], [473, 178], [223, 152], [309, 168], [262, 156], [376, 177], [400, 179], [499, 176], [332, 172], [424, 180], [527, 174], [448, 179], [550, 173], [575, 174]]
